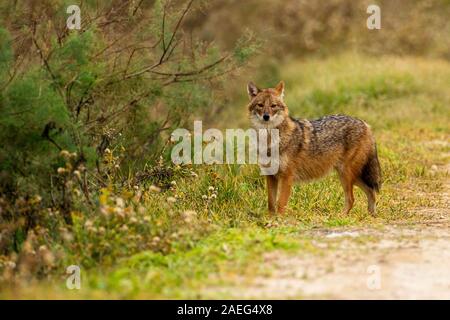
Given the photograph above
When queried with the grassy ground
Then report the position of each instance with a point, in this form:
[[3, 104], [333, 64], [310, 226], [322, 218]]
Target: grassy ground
[[216, 227]]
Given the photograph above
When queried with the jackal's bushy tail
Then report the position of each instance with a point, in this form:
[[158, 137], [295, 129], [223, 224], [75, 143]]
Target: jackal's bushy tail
[[371, 172]]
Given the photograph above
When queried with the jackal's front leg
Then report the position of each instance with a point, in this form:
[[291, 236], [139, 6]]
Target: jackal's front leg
[[285, 191], [272, 189]]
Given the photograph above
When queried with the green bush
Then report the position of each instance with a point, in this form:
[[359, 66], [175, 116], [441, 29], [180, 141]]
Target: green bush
[[69, 97]]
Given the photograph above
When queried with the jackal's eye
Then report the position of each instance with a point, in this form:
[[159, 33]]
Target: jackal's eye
[[273, 106], [260, 105]]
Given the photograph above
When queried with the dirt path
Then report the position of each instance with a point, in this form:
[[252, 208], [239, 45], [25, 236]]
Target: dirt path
[[395, 262]]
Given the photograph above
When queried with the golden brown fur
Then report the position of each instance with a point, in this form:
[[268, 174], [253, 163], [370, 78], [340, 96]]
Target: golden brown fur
[[309, 149]]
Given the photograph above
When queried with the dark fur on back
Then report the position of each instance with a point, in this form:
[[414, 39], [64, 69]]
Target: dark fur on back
[[336, 129]]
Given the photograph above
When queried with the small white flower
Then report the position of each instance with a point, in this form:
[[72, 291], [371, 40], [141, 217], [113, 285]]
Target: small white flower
[[204, 197], [77, 174], [133, 220], [210, 188], [120, 203], [173, 183], [64, 153]]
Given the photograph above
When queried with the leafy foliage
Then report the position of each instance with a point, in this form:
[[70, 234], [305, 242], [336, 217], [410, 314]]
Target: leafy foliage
[[68, 97]]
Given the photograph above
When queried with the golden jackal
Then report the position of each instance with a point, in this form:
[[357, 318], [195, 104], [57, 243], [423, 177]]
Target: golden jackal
[[309, 149]]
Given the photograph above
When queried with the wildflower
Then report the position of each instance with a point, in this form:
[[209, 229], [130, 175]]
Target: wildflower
[[213, 196], [88, 224], [173, 183], [64, 153], [193, 174], [171, 199], [210, 188], [77, 174], [61, 170], [136, 187], [204, 197], [117, 166], [73, 155], [155, 189], [119, 202], [124, 228], [107, 150], [133, 220], [147, 219], [101, 230]]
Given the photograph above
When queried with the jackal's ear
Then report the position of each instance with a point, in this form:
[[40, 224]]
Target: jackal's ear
[[280, 89], [252, 90]]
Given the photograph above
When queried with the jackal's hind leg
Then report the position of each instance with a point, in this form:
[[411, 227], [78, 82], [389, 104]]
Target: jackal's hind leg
[[347, 182], [370, 193]]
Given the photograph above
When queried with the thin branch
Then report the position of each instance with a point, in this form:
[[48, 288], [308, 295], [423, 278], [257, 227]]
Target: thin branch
[[137, 7], [193, 72], [177, 26], [46, 64]]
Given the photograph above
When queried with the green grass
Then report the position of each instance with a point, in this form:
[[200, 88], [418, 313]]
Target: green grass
[[168, 255]]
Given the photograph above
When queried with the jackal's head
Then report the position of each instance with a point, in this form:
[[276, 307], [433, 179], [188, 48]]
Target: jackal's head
[[267, 108]]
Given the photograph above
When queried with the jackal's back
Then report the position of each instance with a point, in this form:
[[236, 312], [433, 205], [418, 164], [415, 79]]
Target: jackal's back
[[336, 132], [312, 148]]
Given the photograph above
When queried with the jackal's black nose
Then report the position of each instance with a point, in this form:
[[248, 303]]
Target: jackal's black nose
[[266, 117]]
